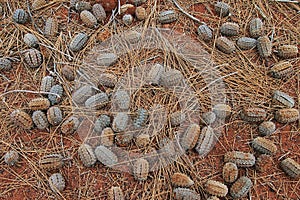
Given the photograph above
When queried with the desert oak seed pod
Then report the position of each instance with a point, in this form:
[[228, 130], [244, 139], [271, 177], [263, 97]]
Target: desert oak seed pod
[[216, 188], [246, 43], [52, 161], [107, 80], [5, 64], [51, 27], [20, 16], [97, 101], [54, 115], [21, 119], [290, 167], [127, 19], [171, 78], [142, 140], [70, 125], [82, 94], [241, 187], [68, 73], [87, 155], [264, 46], [83, 5], [33, 58], [101, 122], [123, 139], [205, 33], [46, 84], [264, 146], [253, 114], [55, 89], [78, 42], [208, 118], [222, 9], [57, 182], [11, 157], [230, 172], [266, 128], [40, 119], [31, 40], [153, 77], [141, 169], [38, 3], [122, 99], [99, 12], [39, 104], [287, 115], [107, 59], [141, 118], [190, 137], [281, 69], [230, 29], [177, 118], [222, 110], [120, 122], [107, 137], [88, 19], [167, 17], [132, 37], [181, 180], [256, 28], [206, 142], [185, 194], [225, 45], [287, 51], [106, 156], [140, 13], [115, 193], [239, 158], [283, 98]]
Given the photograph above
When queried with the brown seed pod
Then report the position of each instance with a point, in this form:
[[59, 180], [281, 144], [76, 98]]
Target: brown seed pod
[[46, 84], [281, 69], [57, 182], [31, 40], [39, 104], [33, 58], [38, 3], [58, 90], [264, 146], [115, 193], [68, 73], [205, 33], [230, 172], [246, 43], [256, 28], [20, 16], [122, 99], [241, 187], [185, 194], [140, 13], [290, 167], [206, 142], [167, 17], [70, 125], [287, 51], [239, 158], [83, 5], [54, 115], [181, 180], [264, 163], [99, 12], [283, 98], [153, 77], [107, 59], [107, 80], [216, 188], [123, 139], [11, 157], [51, 27], [177, 118], [230, 29], [171, 78], [222, 111], [127, 19], [253, 114], [225, 45], [52, 161], [40, 119], [120, 122], [264, 46], [106, 156], [222, 9], [78, 42], [141, 169], [88, 19], [107, 137], [266, 128], [82, 94], [190, 137], [287, 115], [97, 101], [142, 140], [21, 119], [208, 118], [101, 122], [5, 64], [87, 155]]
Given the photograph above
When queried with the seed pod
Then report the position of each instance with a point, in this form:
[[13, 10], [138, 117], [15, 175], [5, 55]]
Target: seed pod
[[185, 194], [181, 180], [99, 12], [263, 145], [140, 13], [239, 158], [281, 69], [107, 59], [87, 155], [101, 122], [106, 156], [132, 37], [11, 157], [256, 28], [177, 118], [22, 119], [54, 115], [167, 148], [225, 45], [213, 198], [20, 16], [230, 172], [39, 104], [40, 119], [82, 94], [167, 17], [222, 9], [70, 125], [222, 110], [83, 5], [253, 114], [137, 2], [38, 3], [287, 51], [55, 89], [33, 58], [171, 78], [287, 115], [290, 167], [5, 64], [283, 98], [30, 40], [107, 137], [107, 80], [68, 73], [78, 42], [141, 169], [120, 122], [241, 187], [51, 27], [246, 43], [266, 128], [205, 33], [123, 139], [206, 142], [115, 193], [88, 19], [230, 29], [127, 19], [263, 163], [264, 46], [57, 182], [208, 118], [141, 118], [216, 188], [97, 101], [190, 137], [153, 77], [142, 140], [122, 99], [52, 161], [46, 84]]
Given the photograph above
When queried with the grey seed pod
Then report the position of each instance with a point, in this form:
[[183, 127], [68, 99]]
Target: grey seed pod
[[216, 188], [87, 155], [230, 172], [190, 137], [287, 51], [206, 142], [52, 161], [78, 42], [281, 69], [21, 119], [246, 43], [107, 80], [230, 29], [177, 118], [185, 194], [167, 17], [11, 157], [57, 182], [283, 98], [205, 33], [115, 193], [5, 64], [38, 4], [83, 5], [141, 169], [54, 115], [70, 125], [46, 83], [222, 111], [106, 156], [241, 187], [142, 140], [33, 58], [122, 99], [208, 118], [264, 46], [222, 9], [101, 122], [40, 119], [127, 19], [20, 16], [253, 114], [31, 40], [82, 94], [51, 27], [239, 158], [88, 19], [181, 180], [55, 89], [132, 36], [99, 12], [256, 28], [264, 146], [97, 101], [68, 73], [107, 59], [123, 139], [171, 78], [141, 118], [107, 137], [140, 13], [266, 128], [287, 115], [153, 77], [120, 122], [225, 45], [213, 198], [290, 167], [263, 163], [39, 104]]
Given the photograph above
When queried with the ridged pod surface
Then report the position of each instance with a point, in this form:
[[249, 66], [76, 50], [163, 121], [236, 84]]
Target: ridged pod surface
[[5, 64], [101, 122], [107, 137], [51, 161], [97, 101], [87, 155], [54, 115], [287, 51], [83, 5], [264, 46], [122, 99], [40, 119], [57, 182], [208, 118], [222, 110], [99, 12], [256, 28], [246, 43], [206, 142], [263, 145], [216, 188], [177, 118], [222, 9], [70, 125], [153, 77], [120, 122], [190, 137], [225, 45], [20, 16], [31, 40], [78, 42], [51, 27], [168, 16], [107, 80], [290, 167], [55, 89], [181, 180], [88, 19], [241, 159], [140, 13], [230, 172], [46, 83], [39, 104], [266, 128], [33, 58], [283, 98], [287, 115], [241, 187], [171, 78], [82, 94], [142, 140], [253, 114], [230, 29], [106, 156], [123, 139], [107, 59], [185, 194], [11, 157], [21, 119], [141, 169], [205, 33], [38, 3], [141, 118], [281, 69], [115, 193]]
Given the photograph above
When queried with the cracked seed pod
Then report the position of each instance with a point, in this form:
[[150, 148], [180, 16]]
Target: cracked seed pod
[[256, 28], [239, 158], [120, 122], [107, 59], [141, 169], [283, 98], [222, 111], [230, 29], [185, 194], [40, 120], [190, 137], [99, 12], [21, 119], [153, 77], [20, 16], [266, 128], [68, 73], [264, 46], [141, 118], [281, 69], [31, 40], [107, 137], [87, 155], [107, 80], [106, 156], [264, 146], [57, 182], [230, 172], [115, 193], [181, 180], [290, 167], [38, 4], [140, 13], [101, 122], [213, 198], [88, 19], [54, 115], [97, 101], [287, 51], [287, 115], [206, 142], [142, 140], [167, 17], [222, 9], [39, 104], [11, 157], [205, 33], [241, 187], [5, 64], [225, 45], [70, 125], [263, 163], [55, 89], [83, 5], [127, 19], [33, 58], [246, 43], [51, 27], [78, 42], [208, 118], [82, 94], [216, 188], [123, 139], [253, 114], [171, 78], [122, 99], [177, 118], [51, 162], [46, 84]]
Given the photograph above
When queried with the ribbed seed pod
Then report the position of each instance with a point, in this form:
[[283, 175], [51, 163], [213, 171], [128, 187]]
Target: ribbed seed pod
[[21, 119], [70, 125], [33, 58], [253, 114], [153, 77], [88, 19], [11, 157], [283, 98], [82, 94], [206, 142], [230, 29], [239, 158], [83, 5], [241, 187], [141, 118], [122, 99], [107, 80], [142, 140], [97, 101], [54, 115], [181, 180], [208, 118], [222, 9], [167, 17], [51, 27], [40, 119], [5, 64], [120, 122], [123, 139], [213, 198], [256, 28], [266, 128], [52, 161], [171, 78], [107, 137], [222, 110], [190, 137], [287, 51], [78, 42], [39, 104], [230, 172], [263, 163], [68, 73], [101, 122], [55, 89], [246, 43], [31, 40], [46, 84], [263, 145], [287, 115], [87, 155], [205, 33], [281, 69], [99, 12], [177, 118], [20, 16], [127, 19], [185, 194], [264, 46], [38, 3], [57, 182], [141, 169], [115, 193], [107, 59], [106, 156], [216, 188], [290, 167], [225, 45], [140, 13]]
